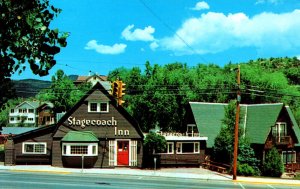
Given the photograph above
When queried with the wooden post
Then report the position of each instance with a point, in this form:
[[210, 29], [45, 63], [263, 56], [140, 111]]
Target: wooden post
[[236, 127]]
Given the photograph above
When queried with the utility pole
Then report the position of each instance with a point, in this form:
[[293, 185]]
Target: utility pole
[[236, 127]]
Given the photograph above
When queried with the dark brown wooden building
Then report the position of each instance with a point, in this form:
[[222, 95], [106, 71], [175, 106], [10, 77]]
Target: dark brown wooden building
[[95, 131], [183, 148], [264, 125]]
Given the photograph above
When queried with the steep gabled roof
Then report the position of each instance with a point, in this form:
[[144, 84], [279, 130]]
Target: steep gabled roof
[[258, 120], [296, 128], [255, 120], [104, 95], [208, 118]]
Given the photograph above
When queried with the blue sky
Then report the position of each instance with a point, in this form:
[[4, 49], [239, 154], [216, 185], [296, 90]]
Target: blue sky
[[107, 34]]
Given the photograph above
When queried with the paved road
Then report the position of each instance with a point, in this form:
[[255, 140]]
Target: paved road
[[15, 180]]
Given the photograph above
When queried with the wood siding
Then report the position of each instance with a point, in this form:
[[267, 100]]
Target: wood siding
[[102, 131], [21, 158]]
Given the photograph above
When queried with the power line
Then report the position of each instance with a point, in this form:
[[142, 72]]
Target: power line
[[171, 29]]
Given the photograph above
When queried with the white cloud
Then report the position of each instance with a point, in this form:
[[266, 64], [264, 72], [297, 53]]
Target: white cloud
[[298, 57], [105, 49], [145, 34], [215, 32], [201, 6], [154, 45], [275, 2]]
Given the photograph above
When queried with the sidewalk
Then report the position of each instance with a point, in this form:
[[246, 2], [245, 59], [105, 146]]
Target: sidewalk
[[192, 173]]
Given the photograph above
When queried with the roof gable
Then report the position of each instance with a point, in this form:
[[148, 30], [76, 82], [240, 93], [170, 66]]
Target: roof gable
[[27, 103], [295, 126], [208, 118], [99, 93], [258, 120], [255, 120]]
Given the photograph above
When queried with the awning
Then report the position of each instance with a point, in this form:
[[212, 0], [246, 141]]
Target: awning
[[80, 136]]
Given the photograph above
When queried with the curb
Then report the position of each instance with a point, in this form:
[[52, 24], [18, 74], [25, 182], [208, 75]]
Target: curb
[[39, 171], [287, 183]]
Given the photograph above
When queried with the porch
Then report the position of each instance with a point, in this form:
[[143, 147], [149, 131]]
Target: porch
[[292, 167]]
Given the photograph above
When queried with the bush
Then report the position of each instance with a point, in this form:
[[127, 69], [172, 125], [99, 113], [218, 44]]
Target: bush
[[246, 170], [273, 165], [155, 143]]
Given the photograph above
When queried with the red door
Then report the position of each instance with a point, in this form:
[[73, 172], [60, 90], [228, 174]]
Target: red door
[[123, 153]]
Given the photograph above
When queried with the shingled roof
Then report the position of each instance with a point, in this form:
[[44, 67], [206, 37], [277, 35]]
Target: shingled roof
[[256, 120]]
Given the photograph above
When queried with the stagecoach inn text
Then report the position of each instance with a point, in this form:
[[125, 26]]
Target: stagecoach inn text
[[88, 122]]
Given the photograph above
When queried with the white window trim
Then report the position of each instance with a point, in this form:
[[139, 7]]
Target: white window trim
[[98, 106], [107, 107], [68, 149], [180, 147], [89, 107], [43, 143], [172, 149], [277, 125]]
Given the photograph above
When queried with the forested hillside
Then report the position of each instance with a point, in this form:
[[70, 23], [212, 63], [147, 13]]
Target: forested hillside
[[29, 87], [159, 94]]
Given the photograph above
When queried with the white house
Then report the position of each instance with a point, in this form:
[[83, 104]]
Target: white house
[[30, 112]]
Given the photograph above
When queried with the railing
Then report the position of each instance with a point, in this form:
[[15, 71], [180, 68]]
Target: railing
[[283, 140], [216, 166], [292, 167], [186, 134]]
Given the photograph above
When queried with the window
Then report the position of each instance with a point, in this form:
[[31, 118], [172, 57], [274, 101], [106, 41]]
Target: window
[[34, 148], [98, 107], [22, 110], [170, 148], [78, 149], [12, 111], [188, 147], [12, 119], [94, 150], [103, 107], [93, 107], [31, 110], [288, 157], [48, 118], [30, 119], [279, 131], [64, 149], [192, 130]]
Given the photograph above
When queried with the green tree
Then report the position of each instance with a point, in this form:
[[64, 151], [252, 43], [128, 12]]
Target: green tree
[[224, 142], [62, 92], [155, 143], [248, 164], [223, 146], [273, 165], [26, 37], [160, 92], [11, 103]]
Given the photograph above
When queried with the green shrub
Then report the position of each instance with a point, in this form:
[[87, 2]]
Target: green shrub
[[273, 165], [246, 170], [155, 143]]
